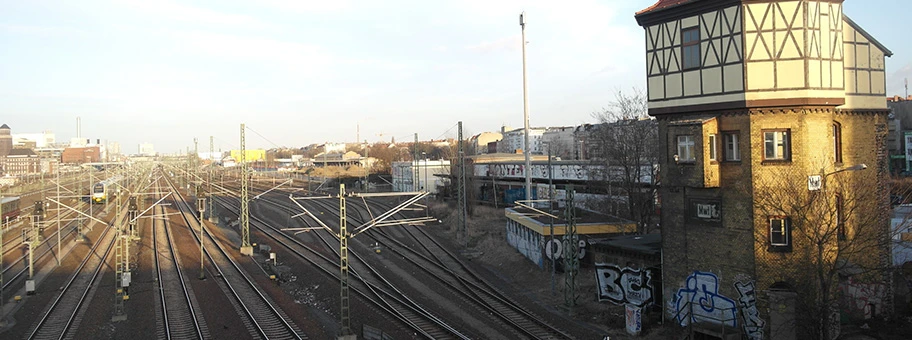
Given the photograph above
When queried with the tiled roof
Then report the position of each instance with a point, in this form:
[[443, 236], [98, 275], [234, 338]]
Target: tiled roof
[[4, 126], [663, 4]]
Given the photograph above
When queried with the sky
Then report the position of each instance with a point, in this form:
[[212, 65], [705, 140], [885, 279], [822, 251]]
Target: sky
[[309, 71]]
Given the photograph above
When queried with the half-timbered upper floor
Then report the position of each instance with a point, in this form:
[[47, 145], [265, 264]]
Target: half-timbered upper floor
[[706, 55]]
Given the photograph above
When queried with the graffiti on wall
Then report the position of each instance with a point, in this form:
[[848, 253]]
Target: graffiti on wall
[[863, 300], [624, 285], [525, 241], [700, 301], [507, 170], [747, 301]]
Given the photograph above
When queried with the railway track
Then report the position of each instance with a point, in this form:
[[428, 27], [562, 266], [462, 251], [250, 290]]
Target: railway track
[[19, 266], [62, 315], [452, 273], [262, 317], [368, 283], [447, 269], [178, 315]]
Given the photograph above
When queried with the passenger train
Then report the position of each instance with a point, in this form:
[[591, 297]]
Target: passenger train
[[105, 190], [10, 208]]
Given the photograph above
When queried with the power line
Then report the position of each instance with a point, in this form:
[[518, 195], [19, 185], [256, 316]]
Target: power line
[[264, 137]]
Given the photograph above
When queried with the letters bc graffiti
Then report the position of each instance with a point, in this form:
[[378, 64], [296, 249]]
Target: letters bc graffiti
[[624, 286], [753, 324], [700, 301]]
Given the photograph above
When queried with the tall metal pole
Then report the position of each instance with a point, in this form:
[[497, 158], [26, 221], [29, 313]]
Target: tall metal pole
[[59, 254], [415, 162], [427, 208], [461, 189], [246, 249], [550, 202], [211, 169], [343, 264], [571, 252], [526, 151]]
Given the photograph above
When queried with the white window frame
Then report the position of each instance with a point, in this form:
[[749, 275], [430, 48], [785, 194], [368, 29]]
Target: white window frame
[[732, 151], [784, 231], [686, 149], [777, 145]]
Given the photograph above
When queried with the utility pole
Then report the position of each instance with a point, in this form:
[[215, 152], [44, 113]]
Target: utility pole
[[211, 169], [344, 235], [246, 249], [343, 264], [461, 189], [415, 179], [59, 254], [526, 151], [571, 253], [550, 208]]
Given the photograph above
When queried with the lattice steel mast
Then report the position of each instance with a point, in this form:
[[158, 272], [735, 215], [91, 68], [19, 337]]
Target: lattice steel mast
[[246, 249]]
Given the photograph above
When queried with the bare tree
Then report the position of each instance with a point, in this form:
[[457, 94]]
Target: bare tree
[[839, 230], [625, 144]]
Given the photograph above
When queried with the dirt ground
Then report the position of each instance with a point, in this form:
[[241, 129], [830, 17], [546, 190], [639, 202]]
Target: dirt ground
[[487, 238]]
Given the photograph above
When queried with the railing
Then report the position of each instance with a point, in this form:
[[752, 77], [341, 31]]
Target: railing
[[708, 323]]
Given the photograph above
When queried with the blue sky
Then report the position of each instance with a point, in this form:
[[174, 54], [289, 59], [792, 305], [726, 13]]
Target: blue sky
[[302, 72]]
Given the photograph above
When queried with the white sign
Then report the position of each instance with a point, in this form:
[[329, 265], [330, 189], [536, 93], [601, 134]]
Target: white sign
[[814, 182]]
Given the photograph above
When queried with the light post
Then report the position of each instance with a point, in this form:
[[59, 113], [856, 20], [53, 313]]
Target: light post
[[526, 151], [818, 182]]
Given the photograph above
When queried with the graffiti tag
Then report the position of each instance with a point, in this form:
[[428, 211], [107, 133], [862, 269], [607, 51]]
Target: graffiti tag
[[700, 301], [753, 324], [624, 286]]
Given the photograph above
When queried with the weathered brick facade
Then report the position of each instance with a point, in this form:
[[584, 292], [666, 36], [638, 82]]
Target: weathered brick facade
[[774, 129]]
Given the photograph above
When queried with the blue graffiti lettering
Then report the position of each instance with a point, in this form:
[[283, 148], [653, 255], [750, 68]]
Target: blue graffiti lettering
[[700, 301]]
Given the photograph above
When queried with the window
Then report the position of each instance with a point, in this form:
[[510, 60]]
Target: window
[[837, 142], [731, 152], [841, 233], [690, 47], [776, 145], [686, 148], [780, 235], [712, 147]]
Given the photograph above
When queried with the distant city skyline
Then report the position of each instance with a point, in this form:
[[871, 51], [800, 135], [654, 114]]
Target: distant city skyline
[[304, 72]]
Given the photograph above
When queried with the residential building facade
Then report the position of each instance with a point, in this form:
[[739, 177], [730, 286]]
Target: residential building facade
[[756, 99]]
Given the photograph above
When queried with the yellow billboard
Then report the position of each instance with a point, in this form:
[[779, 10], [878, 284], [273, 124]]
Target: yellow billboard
[[249, 155]]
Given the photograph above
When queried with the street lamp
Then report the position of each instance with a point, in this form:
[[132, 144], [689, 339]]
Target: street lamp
[[818, 182]]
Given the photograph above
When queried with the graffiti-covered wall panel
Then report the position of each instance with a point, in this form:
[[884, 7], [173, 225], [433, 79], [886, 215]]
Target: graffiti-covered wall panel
[[527, 242], [626, 285]]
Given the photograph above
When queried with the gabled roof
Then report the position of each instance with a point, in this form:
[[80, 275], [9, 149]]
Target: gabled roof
[[22, 152], [868, 36], [663, 4], [4, 126]]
